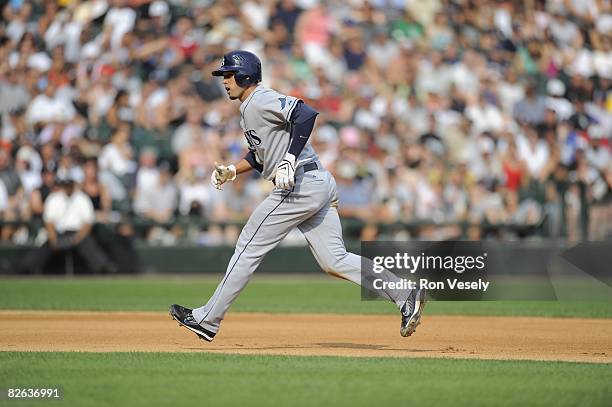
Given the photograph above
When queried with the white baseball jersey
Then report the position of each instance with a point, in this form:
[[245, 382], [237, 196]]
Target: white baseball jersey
[[264, 118]]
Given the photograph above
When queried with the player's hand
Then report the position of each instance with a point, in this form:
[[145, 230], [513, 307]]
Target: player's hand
[[285, 173], [222, 174]]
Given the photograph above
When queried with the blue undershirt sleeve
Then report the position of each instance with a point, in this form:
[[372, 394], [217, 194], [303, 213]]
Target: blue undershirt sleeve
[[302, 123]]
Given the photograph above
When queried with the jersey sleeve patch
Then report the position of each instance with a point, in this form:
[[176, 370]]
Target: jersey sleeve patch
[[276, 109]]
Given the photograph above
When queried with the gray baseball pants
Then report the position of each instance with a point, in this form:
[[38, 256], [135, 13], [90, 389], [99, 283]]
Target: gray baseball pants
[[311, 207]]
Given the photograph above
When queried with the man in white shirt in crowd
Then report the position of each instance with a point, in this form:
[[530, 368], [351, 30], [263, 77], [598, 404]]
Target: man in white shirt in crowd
[[49, 107], [69, 217]]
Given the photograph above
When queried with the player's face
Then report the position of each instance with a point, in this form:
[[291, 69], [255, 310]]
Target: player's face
[[233, 90]]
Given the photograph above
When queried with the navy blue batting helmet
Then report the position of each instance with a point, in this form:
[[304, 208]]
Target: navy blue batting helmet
[[245, 65]]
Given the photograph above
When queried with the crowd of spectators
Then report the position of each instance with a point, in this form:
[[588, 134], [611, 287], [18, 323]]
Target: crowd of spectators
[[455, 115]]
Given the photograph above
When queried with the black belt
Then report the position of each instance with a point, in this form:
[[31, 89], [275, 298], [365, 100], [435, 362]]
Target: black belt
[[310, 167]]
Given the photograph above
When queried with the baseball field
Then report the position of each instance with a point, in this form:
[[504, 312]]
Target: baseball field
[[299, 340]]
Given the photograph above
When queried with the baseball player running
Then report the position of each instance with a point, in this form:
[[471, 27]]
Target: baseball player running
[[277, 128]]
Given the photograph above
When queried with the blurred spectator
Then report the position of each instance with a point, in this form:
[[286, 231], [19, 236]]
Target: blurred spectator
[[9, 174], [485, 116], [68, 166], [49, 107], [354, 53], [68, 217], [237, 203], [195, 194], [314, 30], [101, 96], [433, 111], [117, 245], [3, 199], [556, 102], [581, 120], [147, 173], [159, 201], [120, 20], [382, 49], [188, 134], [531, 109], [285, 15], [28, 166], [354, 193], [97, 192], [116, 157], [40, 195], [14, 97], [533, 151], [15, 206], [121, 111]]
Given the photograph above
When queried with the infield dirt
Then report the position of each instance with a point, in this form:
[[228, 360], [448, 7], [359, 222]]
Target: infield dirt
[[524, 338]]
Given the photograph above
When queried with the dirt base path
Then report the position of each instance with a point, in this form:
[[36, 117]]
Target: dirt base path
[[584, 340]]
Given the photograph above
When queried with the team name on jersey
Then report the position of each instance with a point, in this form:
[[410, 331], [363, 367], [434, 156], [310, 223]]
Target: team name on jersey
[[252, 139]]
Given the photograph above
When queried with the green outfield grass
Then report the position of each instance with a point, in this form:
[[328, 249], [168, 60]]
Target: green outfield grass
[[152, 379], [162, 379], [264, 294]]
